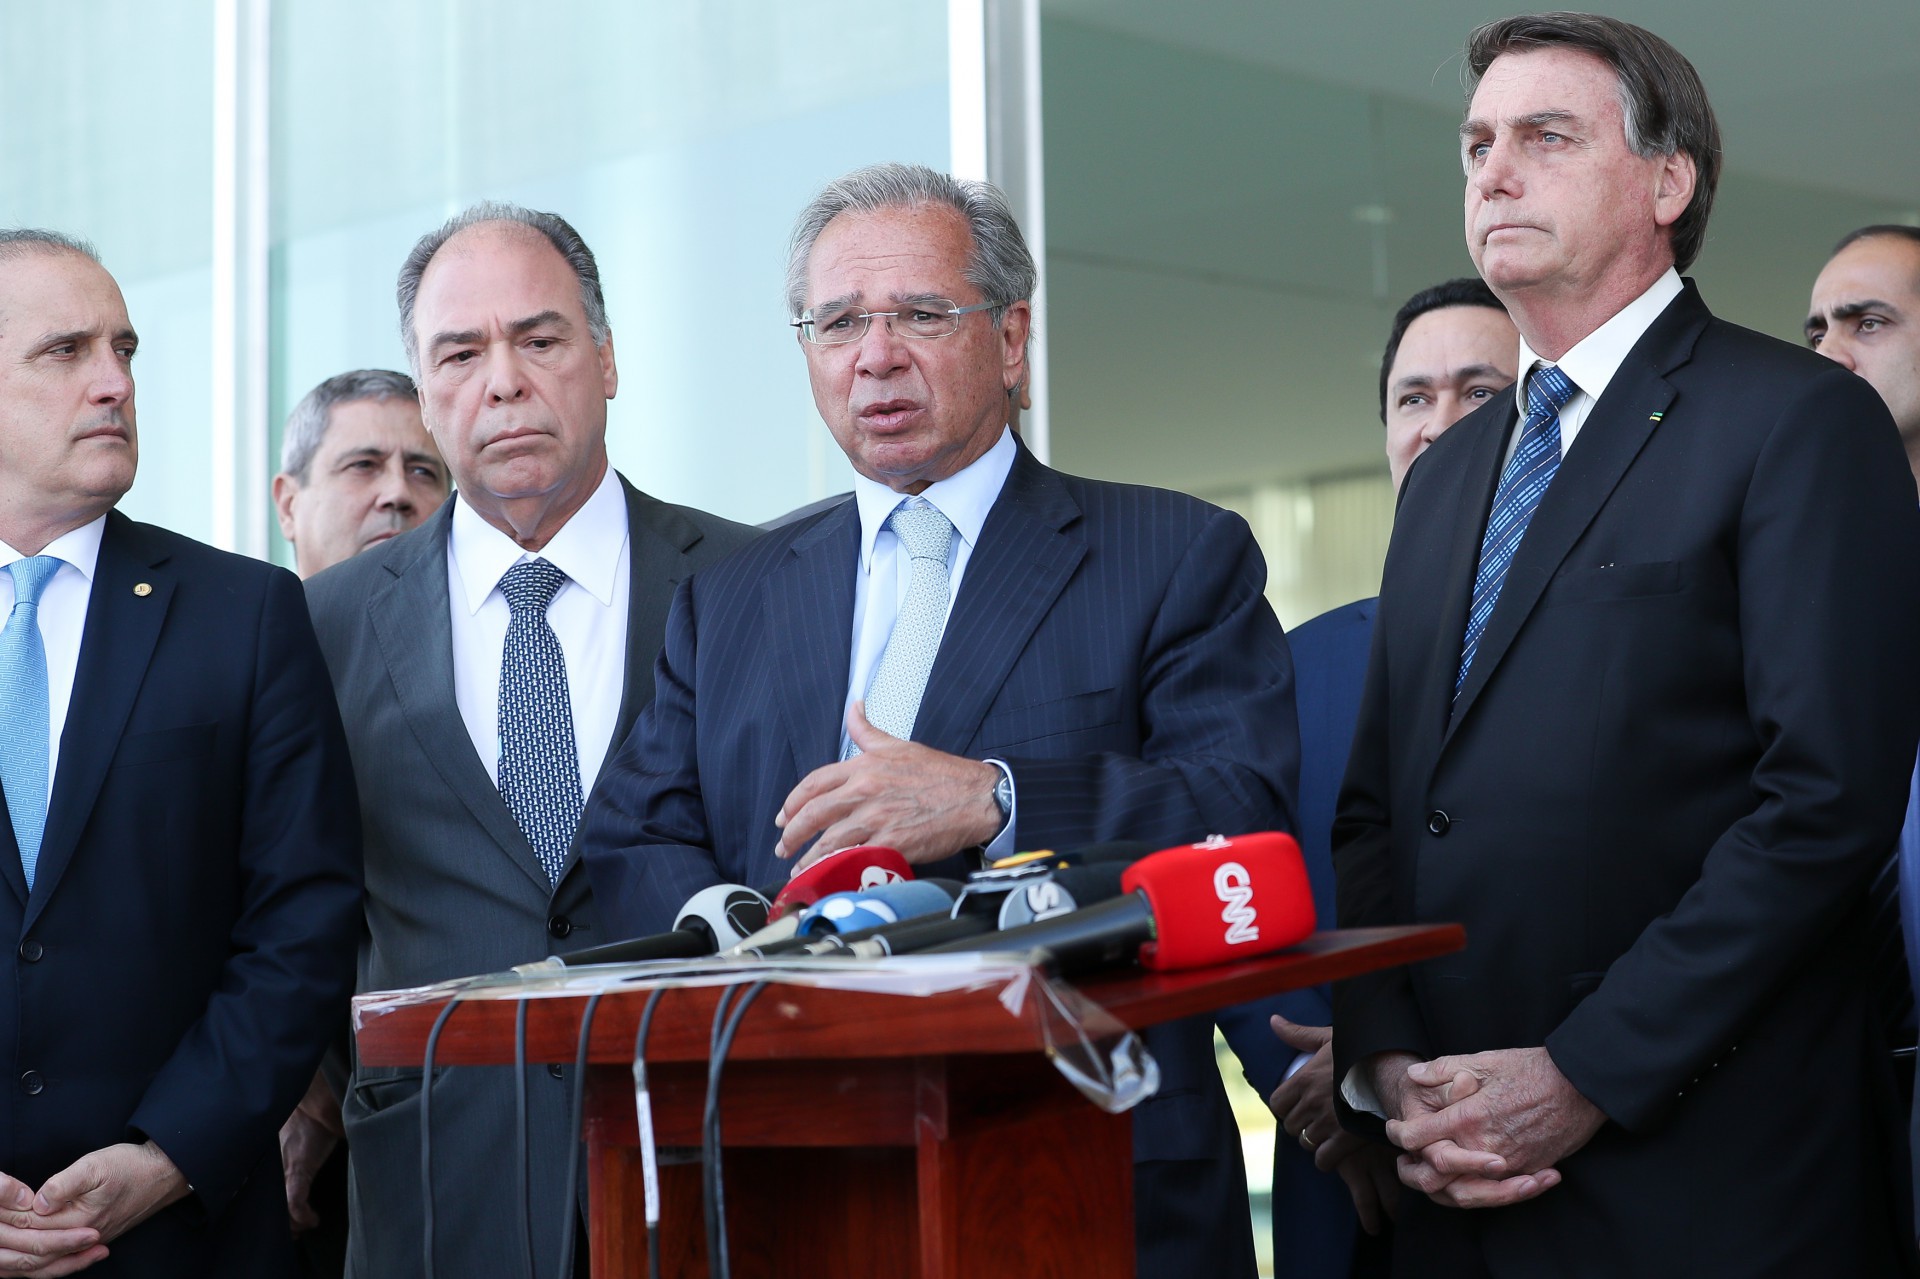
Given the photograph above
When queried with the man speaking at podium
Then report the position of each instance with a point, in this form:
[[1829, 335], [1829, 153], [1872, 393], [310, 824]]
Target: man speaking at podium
[[976, 651]]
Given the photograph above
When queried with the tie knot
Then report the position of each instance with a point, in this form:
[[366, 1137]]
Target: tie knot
[[1548, 391], [531, 585], [922, 529], [31, 575]]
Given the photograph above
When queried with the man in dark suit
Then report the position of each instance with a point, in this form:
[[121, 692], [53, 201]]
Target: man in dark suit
[[1061, 661], [486, 662], [180, 855], [1640, 711], [1450, 350]]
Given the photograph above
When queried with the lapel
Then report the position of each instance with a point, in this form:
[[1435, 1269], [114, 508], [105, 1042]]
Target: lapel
[[1029, 548], [1615, 431], [412, 629], [116, 647], [811, 595], [658, 539]]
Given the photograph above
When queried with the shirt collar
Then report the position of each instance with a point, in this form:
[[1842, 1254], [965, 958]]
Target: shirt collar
[[964, 498], [1595, 358], [79, 547], [586, 548]]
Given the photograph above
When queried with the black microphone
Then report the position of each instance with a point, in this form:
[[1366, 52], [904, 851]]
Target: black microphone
[[713, 919], [859, 913]]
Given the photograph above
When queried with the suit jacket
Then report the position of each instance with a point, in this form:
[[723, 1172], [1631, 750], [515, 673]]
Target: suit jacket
[[187, 947], [1313, 1218], [1111, 643], [1676, 760], [453, 889]]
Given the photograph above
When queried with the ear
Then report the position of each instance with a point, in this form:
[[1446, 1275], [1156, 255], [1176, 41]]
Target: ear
[[1015, 324], [284, 491], [609, 373], [1673, 192]]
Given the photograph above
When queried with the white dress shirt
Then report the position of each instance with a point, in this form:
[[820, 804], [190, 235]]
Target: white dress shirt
[[588, 613], [1590, 365], [884, 573], [1592, 361], [63, 619]]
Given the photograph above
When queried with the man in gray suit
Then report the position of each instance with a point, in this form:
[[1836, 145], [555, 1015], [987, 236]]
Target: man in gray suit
[[485, 663]]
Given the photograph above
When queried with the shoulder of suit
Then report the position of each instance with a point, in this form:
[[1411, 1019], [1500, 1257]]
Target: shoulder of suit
[[186, 557], [701, 534]]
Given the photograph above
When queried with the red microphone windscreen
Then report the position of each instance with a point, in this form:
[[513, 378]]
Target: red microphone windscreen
[[864, 866], [1223, 900]]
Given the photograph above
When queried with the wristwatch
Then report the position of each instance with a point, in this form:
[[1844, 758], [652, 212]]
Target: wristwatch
[[1003, 793]]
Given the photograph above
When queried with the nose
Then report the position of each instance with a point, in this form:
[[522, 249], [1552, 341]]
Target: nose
[[394, 494], [112, 381], [1495, 174], [1836, 348], [506, 380], [881, 352]]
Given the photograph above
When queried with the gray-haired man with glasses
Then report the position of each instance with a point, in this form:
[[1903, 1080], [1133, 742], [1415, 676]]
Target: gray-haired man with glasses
[[976, 651]]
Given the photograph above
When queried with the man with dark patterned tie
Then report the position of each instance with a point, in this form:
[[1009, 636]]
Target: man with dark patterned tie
[[486, 662], [1640, 712], [977, 651]]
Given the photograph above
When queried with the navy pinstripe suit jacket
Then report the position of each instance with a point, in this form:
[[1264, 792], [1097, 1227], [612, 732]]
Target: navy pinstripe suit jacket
[[1110, 642]]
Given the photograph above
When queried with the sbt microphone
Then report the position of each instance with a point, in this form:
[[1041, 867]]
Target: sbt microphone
[[857, 914], [1187, 907], [712, 920], [848, 870]]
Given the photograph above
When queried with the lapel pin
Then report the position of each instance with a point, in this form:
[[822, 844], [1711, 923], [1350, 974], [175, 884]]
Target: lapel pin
[[1655, 417], [142, 589]]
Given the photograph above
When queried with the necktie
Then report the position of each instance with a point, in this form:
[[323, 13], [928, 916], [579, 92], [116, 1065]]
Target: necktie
[[23, 706], [539, 773], [1522, 486], [900, 676]]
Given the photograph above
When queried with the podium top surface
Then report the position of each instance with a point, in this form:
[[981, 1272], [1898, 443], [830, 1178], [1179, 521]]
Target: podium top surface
[[799, 1021]]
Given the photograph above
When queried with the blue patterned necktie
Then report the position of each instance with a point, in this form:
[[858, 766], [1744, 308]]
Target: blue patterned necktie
[[26, 733], [900, 676], [1524, 483], [539, 773]]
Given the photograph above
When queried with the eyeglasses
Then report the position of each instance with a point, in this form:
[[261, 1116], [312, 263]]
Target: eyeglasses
[[925, 318]]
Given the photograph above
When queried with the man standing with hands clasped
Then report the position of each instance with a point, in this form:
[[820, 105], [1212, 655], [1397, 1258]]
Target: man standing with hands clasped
[[1640, 714]]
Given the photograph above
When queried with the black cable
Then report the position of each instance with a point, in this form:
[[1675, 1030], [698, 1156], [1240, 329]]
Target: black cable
[[723, 1267], [426, 1134], [523, 1172], [639, 1087], [579, 1113], [709, 1143]]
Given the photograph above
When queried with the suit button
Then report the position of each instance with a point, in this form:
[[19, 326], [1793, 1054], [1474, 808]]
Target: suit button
[[31, 951], [31, 1083], [559, 926], [1439, 823], [557, 1071]]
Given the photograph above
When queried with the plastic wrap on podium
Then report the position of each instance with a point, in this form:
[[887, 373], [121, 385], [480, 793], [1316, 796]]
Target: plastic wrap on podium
[[1101, 1058]]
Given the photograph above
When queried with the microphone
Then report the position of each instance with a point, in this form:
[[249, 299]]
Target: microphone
[[989, 889], [858, 914], [712, 919], [1187, 907], [1062, 892], [849, 869]]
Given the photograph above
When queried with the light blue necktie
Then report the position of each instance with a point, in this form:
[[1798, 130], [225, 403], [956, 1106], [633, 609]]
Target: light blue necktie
[[24, 709], [900, 676], [539, 772], [1529, 471]]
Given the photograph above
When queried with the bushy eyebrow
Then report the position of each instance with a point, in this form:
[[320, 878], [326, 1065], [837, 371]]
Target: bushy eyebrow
[[1471, 129], [1817, 323]]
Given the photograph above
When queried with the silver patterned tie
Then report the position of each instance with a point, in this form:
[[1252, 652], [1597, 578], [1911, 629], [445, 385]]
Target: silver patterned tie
[[900, 676], [539, 773]]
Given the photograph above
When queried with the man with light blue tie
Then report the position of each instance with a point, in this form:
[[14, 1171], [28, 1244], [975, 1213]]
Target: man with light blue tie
[[180, 864], [977, 650]]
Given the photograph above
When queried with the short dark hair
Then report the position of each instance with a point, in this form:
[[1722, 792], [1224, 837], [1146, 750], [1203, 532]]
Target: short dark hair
[[1880, 230], [1661, 96], [1468, 290], [555, 229]]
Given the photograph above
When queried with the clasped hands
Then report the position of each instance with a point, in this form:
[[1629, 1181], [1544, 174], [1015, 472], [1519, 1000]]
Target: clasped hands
[[923, 803], [1482, 1130], [66, 1225]]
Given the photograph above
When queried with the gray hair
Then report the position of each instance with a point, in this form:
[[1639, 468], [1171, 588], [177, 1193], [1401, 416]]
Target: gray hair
[[307, 424], [557, 231], [17, 242], [1661, 96], [998, 263]]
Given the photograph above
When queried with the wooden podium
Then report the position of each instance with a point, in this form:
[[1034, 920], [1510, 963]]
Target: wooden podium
[[867, 1134]]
